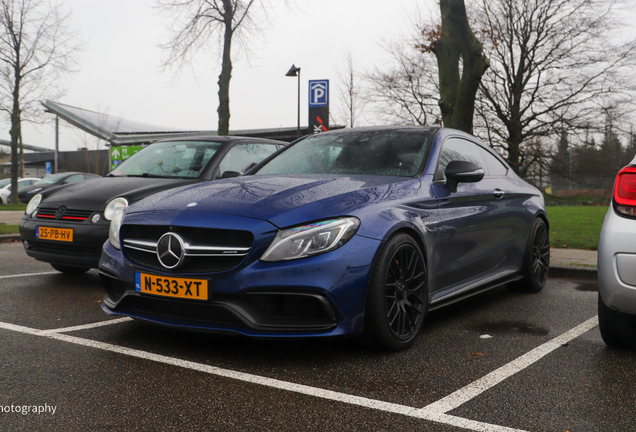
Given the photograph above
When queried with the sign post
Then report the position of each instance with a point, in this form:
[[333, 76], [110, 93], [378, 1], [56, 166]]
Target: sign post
[[318, 106]]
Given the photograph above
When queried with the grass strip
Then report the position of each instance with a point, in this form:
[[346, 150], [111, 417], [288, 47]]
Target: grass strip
[[9, 229], [576, 227]]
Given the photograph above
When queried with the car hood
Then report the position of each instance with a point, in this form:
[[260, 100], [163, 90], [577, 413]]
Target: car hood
[[95, 194], [283, 200]]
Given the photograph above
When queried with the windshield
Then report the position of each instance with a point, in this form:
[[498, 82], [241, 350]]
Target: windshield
[[52, 179], [181, 159], [386, 153], [4, 182]]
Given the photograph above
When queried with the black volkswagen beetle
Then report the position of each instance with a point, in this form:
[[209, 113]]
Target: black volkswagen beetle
[[67, 226], [25, 193]]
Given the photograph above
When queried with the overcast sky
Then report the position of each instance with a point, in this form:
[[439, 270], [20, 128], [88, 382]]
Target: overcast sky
[[120, 71]]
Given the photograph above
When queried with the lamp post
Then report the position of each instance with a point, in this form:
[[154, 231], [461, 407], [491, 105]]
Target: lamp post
[[57, 139], [292, 72]]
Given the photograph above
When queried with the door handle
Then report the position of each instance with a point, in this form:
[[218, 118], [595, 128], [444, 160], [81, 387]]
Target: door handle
[[498, 193]]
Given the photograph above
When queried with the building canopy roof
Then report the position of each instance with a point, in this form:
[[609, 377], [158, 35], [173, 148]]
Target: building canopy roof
[[119, 131]]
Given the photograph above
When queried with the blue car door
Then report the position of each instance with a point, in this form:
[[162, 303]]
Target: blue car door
[[479, 224]]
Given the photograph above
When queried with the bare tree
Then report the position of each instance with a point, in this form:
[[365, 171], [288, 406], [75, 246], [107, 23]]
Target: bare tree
[[36, 50], [96, 162], [553, 63], [406, 91], [350, 92], [197, 25]]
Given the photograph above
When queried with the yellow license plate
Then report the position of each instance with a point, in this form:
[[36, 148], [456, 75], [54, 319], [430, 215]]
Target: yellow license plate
[[167, 286], [60, 234]]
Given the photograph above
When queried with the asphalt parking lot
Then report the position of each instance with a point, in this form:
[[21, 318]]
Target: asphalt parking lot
[[501, 361]]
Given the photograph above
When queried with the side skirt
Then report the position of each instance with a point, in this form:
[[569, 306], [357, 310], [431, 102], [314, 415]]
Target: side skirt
[[470, 291]]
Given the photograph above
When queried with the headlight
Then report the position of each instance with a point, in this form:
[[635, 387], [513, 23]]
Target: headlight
[[35, 190], [311, 239], [113, 232], [115, 206], [33, 204]]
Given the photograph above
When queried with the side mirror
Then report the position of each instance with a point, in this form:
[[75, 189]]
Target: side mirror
[[228, 174], [462, 172]]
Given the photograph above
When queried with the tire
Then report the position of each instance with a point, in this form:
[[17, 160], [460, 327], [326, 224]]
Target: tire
[[397, 297], [536, 259], [618, 329], [69, 270]]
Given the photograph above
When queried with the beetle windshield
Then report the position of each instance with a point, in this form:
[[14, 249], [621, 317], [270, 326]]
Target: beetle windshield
[[181, 159], [387, 153], [52, 179]]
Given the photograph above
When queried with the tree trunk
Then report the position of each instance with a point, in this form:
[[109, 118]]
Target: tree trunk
[[21, 154], [15, 138], [226, 71], [515, 138], [461, 66]]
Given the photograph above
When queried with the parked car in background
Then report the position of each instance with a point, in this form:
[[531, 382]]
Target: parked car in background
[[617, 264], [67, 227], [27, 192], [5, 187], [360, 230]]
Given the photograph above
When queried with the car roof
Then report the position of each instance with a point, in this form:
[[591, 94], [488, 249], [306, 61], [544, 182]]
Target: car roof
[[221, 138], [418, 128]]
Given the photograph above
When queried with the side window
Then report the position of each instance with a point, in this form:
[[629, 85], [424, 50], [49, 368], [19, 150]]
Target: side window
[[241, 155], [74, 179], [495, 167], [457, 149]]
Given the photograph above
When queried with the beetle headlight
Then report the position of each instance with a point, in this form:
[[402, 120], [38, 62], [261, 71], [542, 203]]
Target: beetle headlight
[[113, 232], [311, 239], [115, 206], [33, 204]]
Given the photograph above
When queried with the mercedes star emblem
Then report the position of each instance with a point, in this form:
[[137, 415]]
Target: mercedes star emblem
[[170, 250]]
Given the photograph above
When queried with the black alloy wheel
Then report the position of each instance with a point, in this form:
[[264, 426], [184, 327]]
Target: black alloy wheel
[[537, 258], [541, 254], [398, 295]]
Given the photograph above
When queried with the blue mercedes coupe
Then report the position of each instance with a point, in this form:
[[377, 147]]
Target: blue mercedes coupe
[[359, 231]]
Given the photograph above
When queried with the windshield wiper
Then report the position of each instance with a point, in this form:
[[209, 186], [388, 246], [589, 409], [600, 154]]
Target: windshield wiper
[[148, 175]]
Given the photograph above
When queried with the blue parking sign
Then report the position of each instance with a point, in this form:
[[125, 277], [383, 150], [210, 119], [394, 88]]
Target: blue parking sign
[[318, 93]]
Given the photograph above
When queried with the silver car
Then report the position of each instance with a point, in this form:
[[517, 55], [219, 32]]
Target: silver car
[[617, 264]]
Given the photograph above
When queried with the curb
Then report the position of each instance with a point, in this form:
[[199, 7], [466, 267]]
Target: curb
[[9, 237], [574, 273]]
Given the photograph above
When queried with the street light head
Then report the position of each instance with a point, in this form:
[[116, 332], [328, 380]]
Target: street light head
[[292, 72]]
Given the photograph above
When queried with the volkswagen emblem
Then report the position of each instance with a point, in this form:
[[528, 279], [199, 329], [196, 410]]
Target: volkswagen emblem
[[60, 212], [170, 250]]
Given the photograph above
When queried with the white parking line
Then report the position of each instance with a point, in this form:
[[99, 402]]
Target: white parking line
[[87, 326], [28, 274], [475, 388], [435, 412]]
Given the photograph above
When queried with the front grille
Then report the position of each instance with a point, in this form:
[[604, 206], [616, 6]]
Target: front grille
[[66, 249], [69, 214], [196, 237], [188, 311]]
